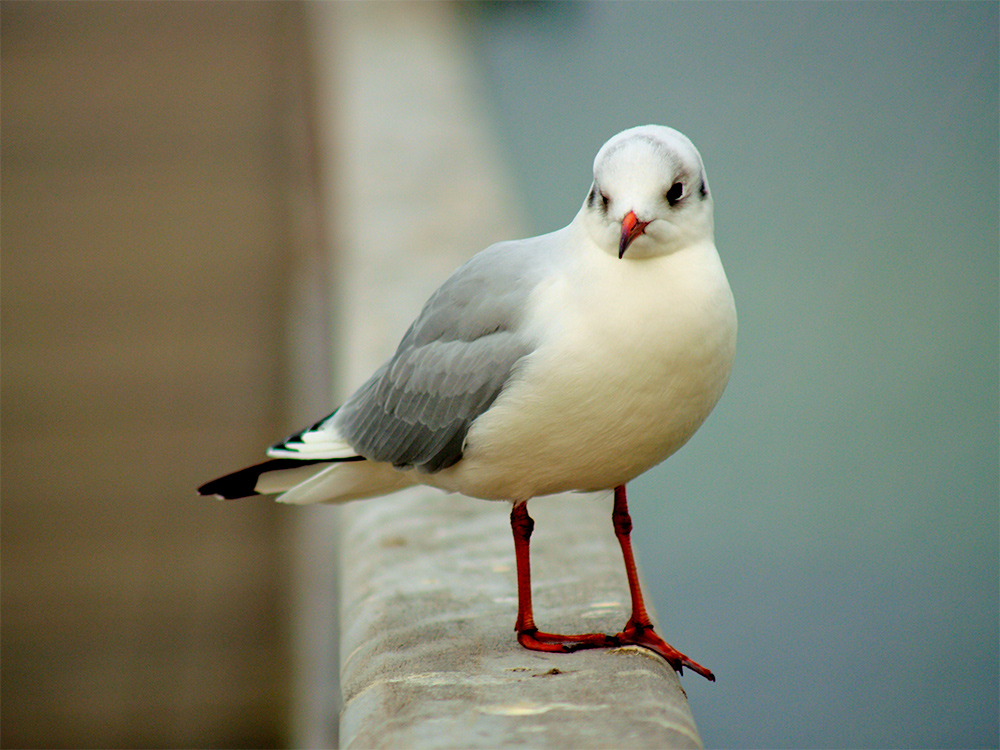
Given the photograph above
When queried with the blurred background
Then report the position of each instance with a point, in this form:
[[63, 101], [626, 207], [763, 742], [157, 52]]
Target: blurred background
[[828, 542]]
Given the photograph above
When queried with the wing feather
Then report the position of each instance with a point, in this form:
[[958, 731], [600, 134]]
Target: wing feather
[[450, 367], [418, 411]]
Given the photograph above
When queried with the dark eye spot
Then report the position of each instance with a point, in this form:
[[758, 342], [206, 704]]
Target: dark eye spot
[[592, 198], [675, 193]]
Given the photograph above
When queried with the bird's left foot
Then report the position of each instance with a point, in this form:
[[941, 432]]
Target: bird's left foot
[[643, 635]]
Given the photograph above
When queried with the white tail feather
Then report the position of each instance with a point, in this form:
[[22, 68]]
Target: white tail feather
[[272, 482], [348, 480]]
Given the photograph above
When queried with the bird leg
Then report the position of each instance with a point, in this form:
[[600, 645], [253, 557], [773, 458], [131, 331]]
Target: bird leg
[[638, 630], [528, 634]]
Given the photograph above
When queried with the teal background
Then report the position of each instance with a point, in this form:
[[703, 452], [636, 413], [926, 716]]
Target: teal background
[[828, 541]]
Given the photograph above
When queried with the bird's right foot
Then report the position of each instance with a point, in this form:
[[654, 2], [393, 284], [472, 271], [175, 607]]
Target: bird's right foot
[[534, 640]]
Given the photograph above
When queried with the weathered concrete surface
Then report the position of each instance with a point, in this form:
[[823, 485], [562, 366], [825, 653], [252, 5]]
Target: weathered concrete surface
[[429, 656], [427, 583]]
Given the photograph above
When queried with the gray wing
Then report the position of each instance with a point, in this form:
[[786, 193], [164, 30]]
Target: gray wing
[[451, 365]]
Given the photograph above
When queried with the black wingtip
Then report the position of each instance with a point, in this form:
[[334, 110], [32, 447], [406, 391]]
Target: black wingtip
[[243, 483], [232, 486]]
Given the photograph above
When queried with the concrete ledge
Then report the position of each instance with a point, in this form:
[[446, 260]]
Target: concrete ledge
[[428, 653], [427, 581]]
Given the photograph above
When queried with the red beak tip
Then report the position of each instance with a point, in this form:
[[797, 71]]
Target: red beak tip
[[631, 228]]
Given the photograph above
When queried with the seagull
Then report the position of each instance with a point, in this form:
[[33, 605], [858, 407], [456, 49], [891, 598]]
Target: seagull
[[572, 361]]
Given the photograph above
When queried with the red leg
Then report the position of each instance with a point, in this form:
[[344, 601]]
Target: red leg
[[527, 633], [639, 629]]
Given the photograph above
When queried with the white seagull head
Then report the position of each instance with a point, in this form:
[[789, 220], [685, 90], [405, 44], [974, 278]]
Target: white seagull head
[[650, 196]]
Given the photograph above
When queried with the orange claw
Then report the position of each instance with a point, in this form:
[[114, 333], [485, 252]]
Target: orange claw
[[643, 635], [533, 640]]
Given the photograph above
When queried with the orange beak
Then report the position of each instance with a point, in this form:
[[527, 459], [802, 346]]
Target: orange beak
[[631, 228]]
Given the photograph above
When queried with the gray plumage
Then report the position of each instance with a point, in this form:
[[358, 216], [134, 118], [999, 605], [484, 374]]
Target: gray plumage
[[453, 362]]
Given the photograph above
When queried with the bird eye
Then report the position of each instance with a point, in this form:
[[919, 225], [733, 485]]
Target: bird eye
[[592, 198], [675, 193]]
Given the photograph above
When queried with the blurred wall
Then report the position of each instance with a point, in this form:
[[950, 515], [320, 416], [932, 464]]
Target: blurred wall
[[155, 192]]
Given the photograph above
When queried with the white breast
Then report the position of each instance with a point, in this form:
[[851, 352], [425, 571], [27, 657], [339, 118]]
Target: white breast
[[634, 355]]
